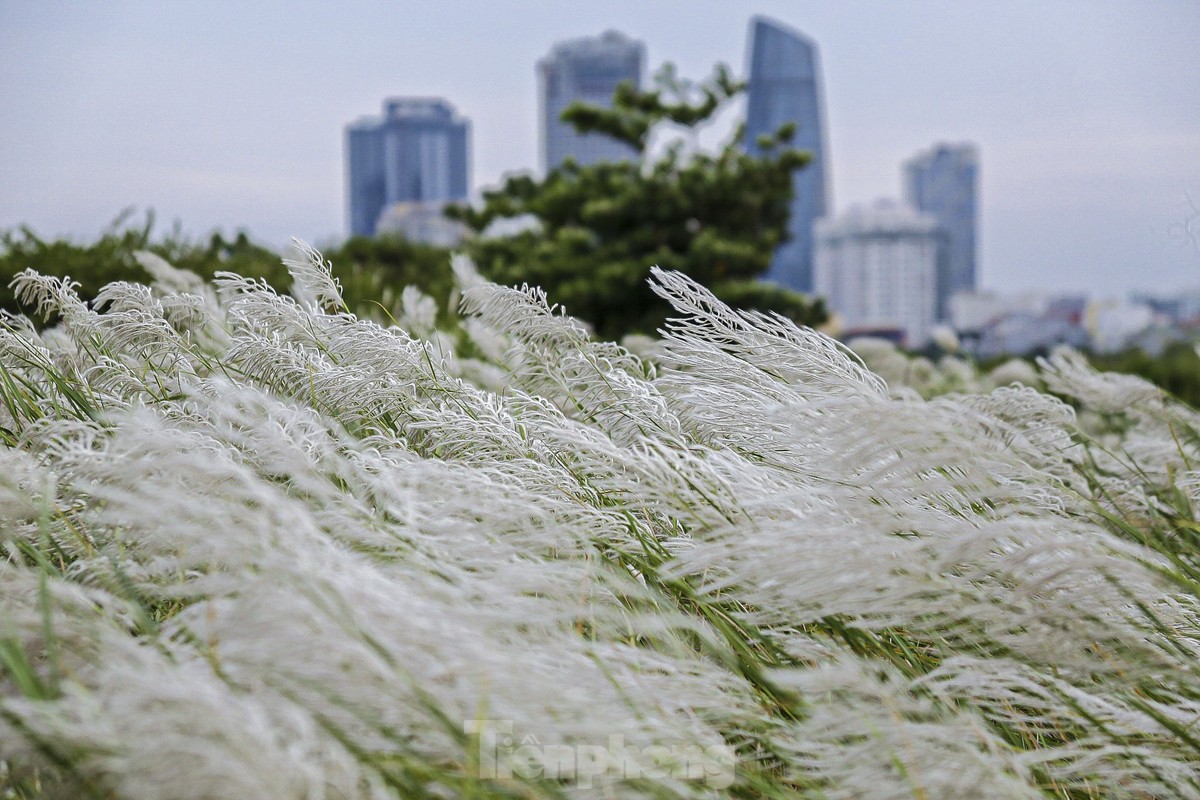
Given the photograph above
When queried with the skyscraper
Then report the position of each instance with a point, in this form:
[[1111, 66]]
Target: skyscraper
[[415, 152], [587, 70], [876, 268], [943, 182], [785, 86]]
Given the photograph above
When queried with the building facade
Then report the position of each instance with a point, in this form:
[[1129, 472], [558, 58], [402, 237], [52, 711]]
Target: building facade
[[415, 153], [877, 266], [422, 223], [587, 70], [943, 182], [785, 87]]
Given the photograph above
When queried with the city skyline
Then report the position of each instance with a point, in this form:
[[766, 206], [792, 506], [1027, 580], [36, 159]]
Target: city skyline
[[232, 120]]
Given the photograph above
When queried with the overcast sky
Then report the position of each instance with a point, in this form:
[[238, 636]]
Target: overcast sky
[[230, 115]]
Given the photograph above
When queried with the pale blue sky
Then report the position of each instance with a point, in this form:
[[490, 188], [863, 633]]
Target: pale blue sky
[[230, 115]]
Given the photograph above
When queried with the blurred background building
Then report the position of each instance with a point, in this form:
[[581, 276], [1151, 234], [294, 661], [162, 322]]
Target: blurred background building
[[415, 152], [991, 324], [588, 70], [785, 87], [423, 223], [943, 182], [876, 266]]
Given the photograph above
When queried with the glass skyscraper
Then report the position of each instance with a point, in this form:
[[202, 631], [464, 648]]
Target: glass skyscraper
[[416, 152], [785, 86], [587, 70], [943, 182]]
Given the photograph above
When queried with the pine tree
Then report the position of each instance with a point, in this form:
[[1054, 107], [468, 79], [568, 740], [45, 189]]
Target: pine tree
[[716, 217]]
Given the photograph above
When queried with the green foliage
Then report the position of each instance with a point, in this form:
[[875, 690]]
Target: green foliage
[[1176, 369], [716, 217], [373, 272], [635, 113], [110, 257]]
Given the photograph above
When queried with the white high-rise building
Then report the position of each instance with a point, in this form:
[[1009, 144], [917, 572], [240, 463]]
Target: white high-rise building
[[421, 223], [587, 70], [877, 269]]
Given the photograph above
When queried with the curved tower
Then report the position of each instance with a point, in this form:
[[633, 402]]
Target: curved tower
[[785, 86]]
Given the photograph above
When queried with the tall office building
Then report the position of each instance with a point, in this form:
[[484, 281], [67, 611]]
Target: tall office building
[[785, 86], [416, 152], [876, 268], [588, 70], [943, 182]]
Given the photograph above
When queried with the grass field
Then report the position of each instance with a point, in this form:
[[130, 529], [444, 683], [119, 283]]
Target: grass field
[[256, 547]]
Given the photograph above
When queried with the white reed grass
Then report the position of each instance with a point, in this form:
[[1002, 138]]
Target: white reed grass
[[255, 546]]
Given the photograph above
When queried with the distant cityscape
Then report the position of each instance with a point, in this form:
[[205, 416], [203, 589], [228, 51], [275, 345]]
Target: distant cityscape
[[897, 269]]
